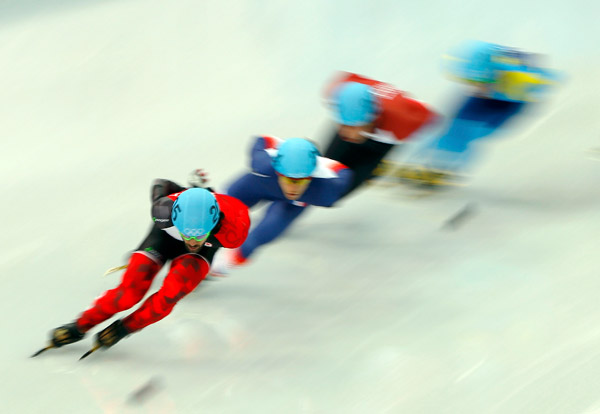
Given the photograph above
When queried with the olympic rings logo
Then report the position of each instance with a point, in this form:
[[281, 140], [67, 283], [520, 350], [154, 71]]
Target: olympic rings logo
[[193, 232]]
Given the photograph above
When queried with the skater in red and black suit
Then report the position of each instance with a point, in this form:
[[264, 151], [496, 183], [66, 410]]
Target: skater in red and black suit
[[189, 226], [372, 117]]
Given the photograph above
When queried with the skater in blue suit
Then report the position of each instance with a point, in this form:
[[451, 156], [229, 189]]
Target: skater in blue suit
[[291, 175], [506, 81]]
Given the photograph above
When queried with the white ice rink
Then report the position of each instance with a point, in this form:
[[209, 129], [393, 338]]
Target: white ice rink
[[370, 307]]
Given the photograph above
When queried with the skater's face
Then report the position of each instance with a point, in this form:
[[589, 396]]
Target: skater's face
[[355, 133], [293, 188], [193, 244]]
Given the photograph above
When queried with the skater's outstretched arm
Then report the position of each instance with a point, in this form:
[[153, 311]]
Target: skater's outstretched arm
[[277, 219]]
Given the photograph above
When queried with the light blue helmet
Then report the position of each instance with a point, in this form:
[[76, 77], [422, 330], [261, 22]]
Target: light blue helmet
[[354, 104], [195, 212], [473, 60], [296, 158]]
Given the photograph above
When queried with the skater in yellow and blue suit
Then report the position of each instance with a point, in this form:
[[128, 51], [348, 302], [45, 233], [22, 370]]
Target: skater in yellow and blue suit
[[506, 81]]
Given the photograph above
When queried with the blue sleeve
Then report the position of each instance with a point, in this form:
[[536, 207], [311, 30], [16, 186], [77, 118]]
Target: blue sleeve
[[325, 192], [276, 220], [260, 160], [247, 189]]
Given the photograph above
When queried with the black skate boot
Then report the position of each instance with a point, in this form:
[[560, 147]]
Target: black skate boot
[[66, 334]]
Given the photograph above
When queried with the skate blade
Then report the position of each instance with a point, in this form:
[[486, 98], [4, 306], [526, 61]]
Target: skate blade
[[115, 269], [88, 353], [42, 350]]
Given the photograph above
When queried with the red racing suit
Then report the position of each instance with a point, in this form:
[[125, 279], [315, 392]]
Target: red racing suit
[[162, 244]]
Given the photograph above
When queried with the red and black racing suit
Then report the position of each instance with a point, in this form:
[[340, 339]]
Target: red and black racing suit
[[161, 245]]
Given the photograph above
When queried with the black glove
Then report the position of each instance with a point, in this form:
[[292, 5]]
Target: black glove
[[66, 334], [111, 334]]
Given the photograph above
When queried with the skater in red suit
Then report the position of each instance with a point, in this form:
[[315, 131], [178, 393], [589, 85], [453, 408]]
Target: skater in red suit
[[372, 117], [189, 226]]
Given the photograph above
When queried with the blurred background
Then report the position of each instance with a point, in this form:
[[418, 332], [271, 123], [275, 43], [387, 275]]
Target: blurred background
[[375, 306]]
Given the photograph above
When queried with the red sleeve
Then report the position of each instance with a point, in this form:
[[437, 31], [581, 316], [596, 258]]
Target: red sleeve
[[403, 116], [235, 223], [175, 195], [271, 142]]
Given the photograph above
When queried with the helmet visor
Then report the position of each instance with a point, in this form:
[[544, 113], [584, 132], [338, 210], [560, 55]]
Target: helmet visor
[[197, 238], [295, 181]]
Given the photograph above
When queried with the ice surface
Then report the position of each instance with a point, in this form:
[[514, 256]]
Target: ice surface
[[372, 307]]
